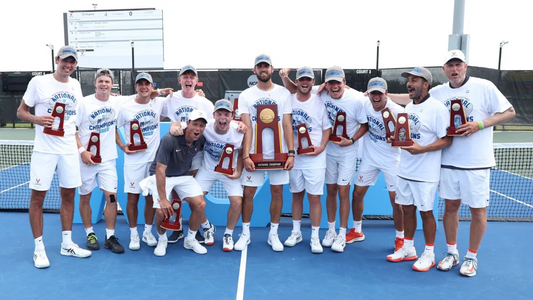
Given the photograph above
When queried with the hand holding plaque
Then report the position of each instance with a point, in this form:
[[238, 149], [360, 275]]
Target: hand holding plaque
[[303, 134], [135, 128], [267, 117], [57, 112], [389, 121], [402, 134], [226, 153], [457, 117], [94, 141], [340, 121], [173, 225]]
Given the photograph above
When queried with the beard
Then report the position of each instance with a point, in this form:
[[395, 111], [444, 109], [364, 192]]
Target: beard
[[264, 79]]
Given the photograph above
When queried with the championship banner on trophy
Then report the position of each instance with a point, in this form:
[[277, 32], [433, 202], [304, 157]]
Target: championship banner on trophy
[[94, 141], [389, 121], [175, 225], [267, 117], [228, 154], [402, 134], [57, 112], [303, 135], [135, 128], [457, 117], [340, 121]]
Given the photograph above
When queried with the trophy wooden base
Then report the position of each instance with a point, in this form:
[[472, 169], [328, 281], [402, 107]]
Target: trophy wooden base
[[451, 132], [305, 151], [399, 144], [174, 226], [275, 164], [96, 159], [223, 170], [139, 147], [55, 132], [336, 138]]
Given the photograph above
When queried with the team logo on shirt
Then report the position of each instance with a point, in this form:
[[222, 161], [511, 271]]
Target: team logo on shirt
[[332, 110], [259, 102], [214, 150], [414, 125], [467, 105], [376, 129], [299, 117], [148, 120], [64, 97], [182, 113], [102, 119]]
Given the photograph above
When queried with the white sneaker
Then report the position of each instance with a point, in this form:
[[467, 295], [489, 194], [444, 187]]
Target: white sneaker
[[339, 243], [227, 243], [209, 235], [192, 244], [295, 238], [149, 239], [449, 261], [425, 262], [135, 243], [315, 246], [40, 260], [403, 254], [244, 240], [273, 240], [74, 250], [469, 267], [161, 249], [329, 238]]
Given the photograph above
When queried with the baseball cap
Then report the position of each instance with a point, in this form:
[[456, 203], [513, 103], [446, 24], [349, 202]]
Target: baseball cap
[[197, 114], [145, 76], [420, 72], [454, 54], [188, 68], [262, 58], [104, 72], [335, 73], [67, 51], [223, 104], [305, 72], [377, 84]]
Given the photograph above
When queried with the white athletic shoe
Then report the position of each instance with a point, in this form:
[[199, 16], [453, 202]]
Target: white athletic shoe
[[339, 243], [403, 254], [227, 243], [244, 240], [295, 238], [135, 243], [209, 235], [149, 239], [192, 244], [469, 267], [329, 238], [74, 250], [449, 261], [425, 262], [40, 260], [273, 240], [315, 246], [161, 249]]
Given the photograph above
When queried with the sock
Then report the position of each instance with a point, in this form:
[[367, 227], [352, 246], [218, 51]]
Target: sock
[[228, 231], [331, 225], [274, 228], [314, 231], [191, 234], [206, 225], [246, 228], [399, 234], [147, 228], [452, 248], [109, 232], [358, 225], [429, 248], [471, 254], [39, 245], [342, 231], [133, 231], [408, 243], [163, 237], [67, 238], [296, 225], [89, 231]]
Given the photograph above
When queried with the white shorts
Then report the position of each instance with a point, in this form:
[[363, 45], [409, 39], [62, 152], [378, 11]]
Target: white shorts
[[472, 187], [197, 161], [310, 180], [340, 169], [276, 177], [44, 165], [185, 186], [368, 175], [420, 194], [133, 174], [206, 179], [106, 173]]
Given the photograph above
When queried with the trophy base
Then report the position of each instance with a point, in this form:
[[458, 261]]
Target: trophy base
[[275, 164], [397, 144], [223, 171], [138, 147], [174, 226], [54, 132], [336, 138], [305, 151], [451, 132], [96, 159]]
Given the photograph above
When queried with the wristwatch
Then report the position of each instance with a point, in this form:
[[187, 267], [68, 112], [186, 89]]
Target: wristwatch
[[353, 141], [292, 152]]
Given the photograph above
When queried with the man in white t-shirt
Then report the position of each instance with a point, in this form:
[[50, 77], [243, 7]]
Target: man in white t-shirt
[[378, 157], [148, 112], [218, 133], [54, 153], [465, 172], [341, 158], [309, 170], [419, 169], [265, 92]]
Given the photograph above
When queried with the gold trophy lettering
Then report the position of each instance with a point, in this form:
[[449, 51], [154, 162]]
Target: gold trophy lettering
[[457, 117], [135, 128], [303, 134], [226, 153], [173, 225], [340, 120], [57, 112], [267, 117], [389, 121], [94, 141], [402, 134]]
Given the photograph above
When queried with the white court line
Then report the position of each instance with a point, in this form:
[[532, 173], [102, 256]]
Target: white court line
[[14, 187], [242, 274], [512, 198]]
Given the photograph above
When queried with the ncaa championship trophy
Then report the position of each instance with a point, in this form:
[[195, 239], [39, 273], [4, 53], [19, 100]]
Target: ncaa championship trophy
[[94, 141], [303, 133], [57, 112], [173, 225], [267, 117], [226, 153], [236, 113], [340, 120], [389, 121], [402, 134], [457, 117], [135, 128]]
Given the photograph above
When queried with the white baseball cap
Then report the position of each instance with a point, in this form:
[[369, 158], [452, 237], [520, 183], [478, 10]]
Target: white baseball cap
[[197, 114], [454, 54]]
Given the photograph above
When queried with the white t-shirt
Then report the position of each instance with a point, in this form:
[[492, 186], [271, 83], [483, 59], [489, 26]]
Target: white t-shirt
[[352, 103], [215, 144], [149, 116], [179, 107], [313, 115], [248, 101], [376, 151], [481, 99], [99, 116], [428, 122], [42, 93]]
